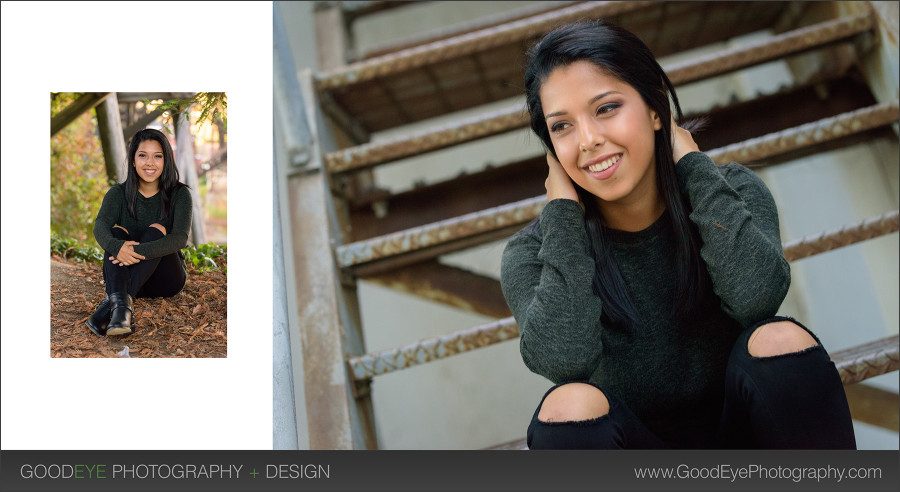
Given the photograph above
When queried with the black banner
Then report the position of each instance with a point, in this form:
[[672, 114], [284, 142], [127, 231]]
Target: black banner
[[396, 471]]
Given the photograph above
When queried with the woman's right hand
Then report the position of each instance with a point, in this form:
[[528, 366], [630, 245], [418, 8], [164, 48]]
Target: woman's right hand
[[559, 184], [126, 255]]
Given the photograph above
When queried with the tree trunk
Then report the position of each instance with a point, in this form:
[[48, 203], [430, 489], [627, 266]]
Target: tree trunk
[[110, 125], [184, 159]]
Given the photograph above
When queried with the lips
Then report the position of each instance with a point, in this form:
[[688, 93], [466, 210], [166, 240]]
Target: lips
[[604, 166], [149, 172]]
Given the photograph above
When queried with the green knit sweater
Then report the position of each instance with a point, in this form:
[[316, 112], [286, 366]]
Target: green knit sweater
[[114, 211], [669, 371]]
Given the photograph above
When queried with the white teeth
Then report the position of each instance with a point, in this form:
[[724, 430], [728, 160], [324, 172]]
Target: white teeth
[[603, 166]]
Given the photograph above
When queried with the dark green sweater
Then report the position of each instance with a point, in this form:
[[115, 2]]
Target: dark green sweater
[[669, 371], [114, 211]]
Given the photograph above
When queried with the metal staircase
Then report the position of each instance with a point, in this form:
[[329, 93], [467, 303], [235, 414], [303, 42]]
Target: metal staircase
[[340, 226]]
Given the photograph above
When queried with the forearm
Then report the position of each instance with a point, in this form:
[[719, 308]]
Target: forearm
[[741, 241]]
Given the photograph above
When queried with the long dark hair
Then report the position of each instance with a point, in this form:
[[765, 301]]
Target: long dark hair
[[624, 56], [168, 179]]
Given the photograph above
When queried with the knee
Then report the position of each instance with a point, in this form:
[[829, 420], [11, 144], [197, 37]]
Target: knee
[[778, 338], [159, 227], [119, 232], [573, 402]]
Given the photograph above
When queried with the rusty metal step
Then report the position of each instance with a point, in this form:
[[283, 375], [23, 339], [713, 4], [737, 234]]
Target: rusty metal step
[[403, 247], [429, 350], [514, 117], [854, 365]]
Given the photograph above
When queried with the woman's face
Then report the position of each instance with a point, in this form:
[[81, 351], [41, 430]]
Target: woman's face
[[603, 133], [149, 161]]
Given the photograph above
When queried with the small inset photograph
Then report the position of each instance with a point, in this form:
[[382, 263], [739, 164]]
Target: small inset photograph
[[138, 224]]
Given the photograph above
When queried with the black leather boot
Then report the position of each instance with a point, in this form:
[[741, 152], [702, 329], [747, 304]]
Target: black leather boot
[[120, 319], [100, 319]]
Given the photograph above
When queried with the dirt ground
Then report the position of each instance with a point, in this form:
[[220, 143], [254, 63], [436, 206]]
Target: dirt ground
[[193, 323]]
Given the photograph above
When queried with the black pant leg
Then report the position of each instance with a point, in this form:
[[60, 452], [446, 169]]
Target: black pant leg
[[115, 277], [790, 401], [619, 429], [156, 277]]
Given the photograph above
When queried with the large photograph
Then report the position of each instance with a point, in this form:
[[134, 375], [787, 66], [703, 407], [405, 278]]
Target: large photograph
[[138, 247], [523, 225]]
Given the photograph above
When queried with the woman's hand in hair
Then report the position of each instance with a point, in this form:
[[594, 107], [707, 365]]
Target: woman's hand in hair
[[682, 142], [559, 184], [126, 255]]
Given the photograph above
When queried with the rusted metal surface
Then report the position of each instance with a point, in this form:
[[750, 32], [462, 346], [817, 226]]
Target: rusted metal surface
[[469, 225], [868, 360], [482, 336], [515, 116], [776, 47], [874, 406], [440, 232], [448, 285], [465, 28], [809, 134], [424, 351], [480, 126], [469, 43], [843, 236]]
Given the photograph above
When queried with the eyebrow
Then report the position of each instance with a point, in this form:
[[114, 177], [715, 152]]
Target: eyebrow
[[592, 101]]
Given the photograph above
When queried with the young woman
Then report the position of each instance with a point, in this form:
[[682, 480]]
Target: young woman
[[142, 226], [647, 288]]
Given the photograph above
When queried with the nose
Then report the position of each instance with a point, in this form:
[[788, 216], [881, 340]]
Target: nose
[[591, 136]]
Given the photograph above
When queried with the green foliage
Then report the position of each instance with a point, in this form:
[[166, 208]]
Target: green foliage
[[70, 249], [213, 106], [201, 257], [78, 174]]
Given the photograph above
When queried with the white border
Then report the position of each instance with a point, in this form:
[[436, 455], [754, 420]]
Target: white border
[[132, 403]]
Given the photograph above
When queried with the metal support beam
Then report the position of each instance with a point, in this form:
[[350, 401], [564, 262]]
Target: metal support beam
[[448, 285], [324, 313], [76, 108], [874, 406], [110, 128]]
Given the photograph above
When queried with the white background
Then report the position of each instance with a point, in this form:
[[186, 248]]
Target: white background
[[135, 403]]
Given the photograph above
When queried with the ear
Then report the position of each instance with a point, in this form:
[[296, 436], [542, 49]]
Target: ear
[[657, 123]]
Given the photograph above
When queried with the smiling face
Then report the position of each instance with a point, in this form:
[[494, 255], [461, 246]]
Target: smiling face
[[603, 134], [149, 161]]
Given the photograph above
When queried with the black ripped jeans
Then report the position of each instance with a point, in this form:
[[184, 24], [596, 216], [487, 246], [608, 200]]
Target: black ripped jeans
[[790, 401], [152, 277]]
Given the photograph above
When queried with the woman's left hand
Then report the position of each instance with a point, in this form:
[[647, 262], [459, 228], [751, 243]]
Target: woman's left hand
[[682, 142]]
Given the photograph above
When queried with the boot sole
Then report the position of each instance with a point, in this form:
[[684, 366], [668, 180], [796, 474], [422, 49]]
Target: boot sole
[[97, 331], [118, 331]]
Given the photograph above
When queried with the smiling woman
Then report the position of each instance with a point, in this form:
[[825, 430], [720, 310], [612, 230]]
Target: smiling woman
[[142, 225], [647, 288]]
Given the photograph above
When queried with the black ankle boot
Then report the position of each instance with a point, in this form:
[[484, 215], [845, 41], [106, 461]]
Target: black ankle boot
[[120, 319], [100, 319]]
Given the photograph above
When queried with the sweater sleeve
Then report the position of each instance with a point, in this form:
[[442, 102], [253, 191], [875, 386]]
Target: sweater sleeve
[[176, 238], [738, 224], [546, 281], [107, 217]]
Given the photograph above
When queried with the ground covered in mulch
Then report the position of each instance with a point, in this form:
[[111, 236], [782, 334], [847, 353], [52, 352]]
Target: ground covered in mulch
[[193, 323]]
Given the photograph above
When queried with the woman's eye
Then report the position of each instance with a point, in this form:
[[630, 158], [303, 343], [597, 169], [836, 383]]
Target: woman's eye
[[559, 126], [606, 108]]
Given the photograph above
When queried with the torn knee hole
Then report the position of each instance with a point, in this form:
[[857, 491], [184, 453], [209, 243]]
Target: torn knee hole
[[779, 338], [574, 402]]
